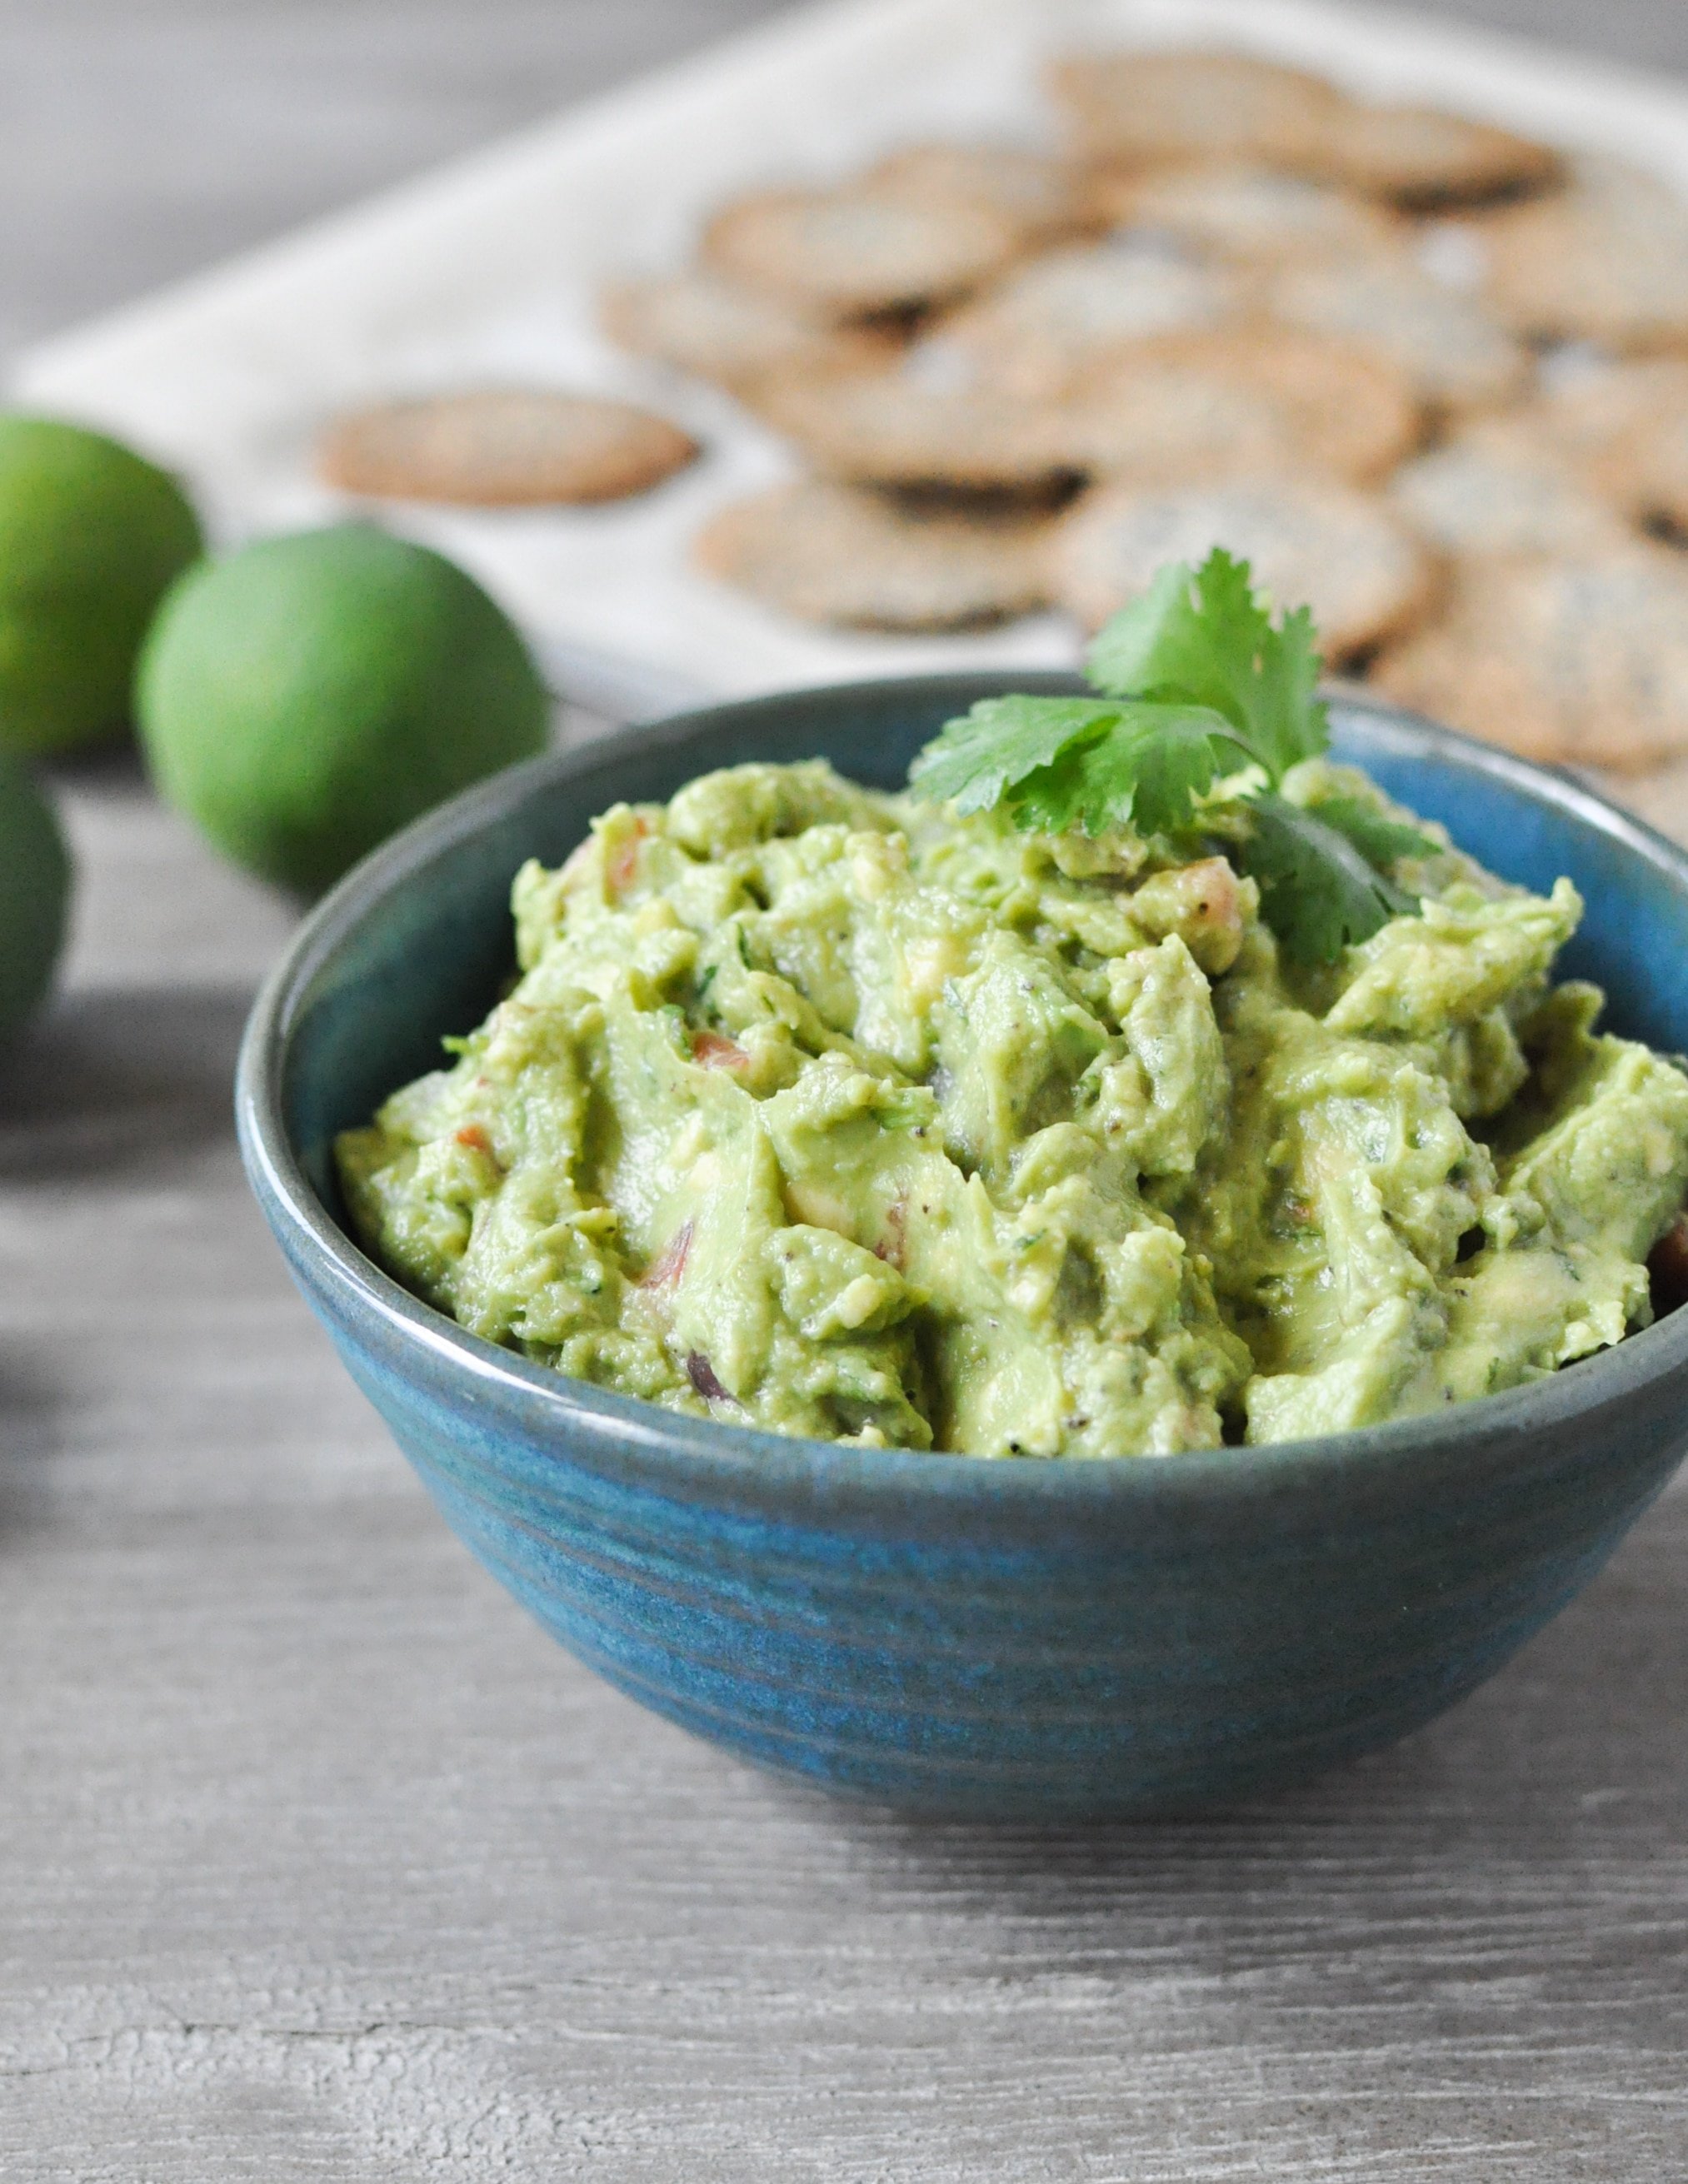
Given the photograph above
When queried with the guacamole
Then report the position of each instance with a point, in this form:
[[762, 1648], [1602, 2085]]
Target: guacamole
[[831, 1112]]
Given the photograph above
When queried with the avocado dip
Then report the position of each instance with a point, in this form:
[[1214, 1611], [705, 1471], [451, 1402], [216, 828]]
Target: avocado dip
[[832, 1112]]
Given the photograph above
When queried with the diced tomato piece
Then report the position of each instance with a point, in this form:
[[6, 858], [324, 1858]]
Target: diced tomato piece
[[623, 864], [1213, 896], [713, 1050], [665, 1270]]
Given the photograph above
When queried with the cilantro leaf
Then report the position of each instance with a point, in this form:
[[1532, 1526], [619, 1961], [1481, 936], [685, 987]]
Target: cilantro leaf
[[1286, 720], [1144, 770], [1378, 839], [1204, 637], [1194, 678], [1196, 632], [975, 759], [1318, 892], [1196, 657]]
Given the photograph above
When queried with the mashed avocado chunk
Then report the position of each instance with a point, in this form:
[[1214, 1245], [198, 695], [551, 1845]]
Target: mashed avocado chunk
[[831, 1112]]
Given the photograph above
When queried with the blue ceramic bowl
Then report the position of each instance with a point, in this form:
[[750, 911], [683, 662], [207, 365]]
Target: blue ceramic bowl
[[999, 1637]]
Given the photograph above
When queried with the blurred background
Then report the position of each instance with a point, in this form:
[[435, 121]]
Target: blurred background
[[142, 139]]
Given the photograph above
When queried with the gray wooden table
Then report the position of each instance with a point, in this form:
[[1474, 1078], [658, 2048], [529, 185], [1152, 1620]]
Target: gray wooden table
[[318, 1862]]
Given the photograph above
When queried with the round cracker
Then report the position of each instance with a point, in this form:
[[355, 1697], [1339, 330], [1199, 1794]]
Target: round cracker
[[1606, 260], [1154, 419], [1450, 346], [1044, 199], [1250, 216], [849, 253], [1500, 488], [1648, 472], [502, 446], [1589, 410], [1421, 157], [858, 559], [1582, 661], [734, 336], [888, 428], [1625, 426], [1260, 398], [1319, 544], [1145, 108], [1035, 334]]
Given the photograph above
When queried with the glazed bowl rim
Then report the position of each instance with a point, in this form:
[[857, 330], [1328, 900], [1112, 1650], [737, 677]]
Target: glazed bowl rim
[[704, 1457]]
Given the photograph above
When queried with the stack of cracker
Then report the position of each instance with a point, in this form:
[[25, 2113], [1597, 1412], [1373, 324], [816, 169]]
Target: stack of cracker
[[1418, 369]]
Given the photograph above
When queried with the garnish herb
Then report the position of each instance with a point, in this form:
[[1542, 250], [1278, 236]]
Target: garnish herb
[[1194, 682]]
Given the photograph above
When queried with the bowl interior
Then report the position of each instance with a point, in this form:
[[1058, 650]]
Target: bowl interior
[[417, 943]]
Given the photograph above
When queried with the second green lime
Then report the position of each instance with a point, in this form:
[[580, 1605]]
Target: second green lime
[[304, 698]]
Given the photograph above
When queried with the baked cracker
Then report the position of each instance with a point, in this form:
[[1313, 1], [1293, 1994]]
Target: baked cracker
[[1261, 398], [1045, 198], [1035, 333], [499, 447], [1456, 354], [859, 559], [1247, 216], [1580, 661], [1145, 108], [1500, 488], [1604, 260], [888, 428], [1627, 426], [1313, 544], [1423, 159], [849, 253], [733, 336], [1588, 408]]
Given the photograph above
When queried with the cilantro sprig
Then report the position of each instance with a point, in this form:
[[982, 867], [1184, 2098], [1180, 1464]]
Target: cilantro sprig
[[1194, 682]]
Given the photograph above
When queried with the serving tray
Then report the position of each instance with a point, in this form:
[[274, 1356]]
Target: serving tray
[[491, 266]]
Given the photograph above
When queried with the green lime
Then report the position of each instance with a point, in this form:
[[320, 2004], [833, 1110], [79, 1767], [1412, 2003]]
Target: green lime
[[90, 537], [35, 894], [306, 696]]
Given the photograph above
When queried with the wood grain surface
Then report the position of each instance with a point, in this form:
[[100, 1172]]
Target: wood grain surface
[[318, 1862]]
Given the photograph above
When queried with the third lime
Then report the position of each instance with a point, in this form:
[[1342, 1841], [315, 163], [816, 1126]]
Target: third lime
[[35, 896]]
